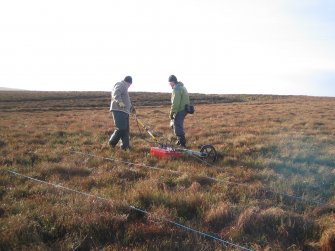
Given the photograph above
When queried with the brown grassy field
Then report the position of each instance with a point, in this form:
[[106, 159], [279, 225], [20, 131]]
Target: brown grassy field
[[272, 188]]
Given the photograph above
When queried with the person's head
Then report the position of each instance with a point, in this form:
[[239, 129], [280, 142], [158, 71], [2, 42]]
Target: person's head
[[173, 80], [128, 79]]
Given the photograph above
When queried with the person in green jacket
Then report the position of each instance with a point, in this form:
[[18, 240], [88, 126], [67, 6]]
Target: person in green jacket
[[179, 99]]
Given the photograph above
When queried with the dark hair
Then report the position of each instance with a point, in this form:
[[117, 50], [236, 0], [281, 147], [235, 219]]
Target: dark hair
[[173, 78], [128, 79]]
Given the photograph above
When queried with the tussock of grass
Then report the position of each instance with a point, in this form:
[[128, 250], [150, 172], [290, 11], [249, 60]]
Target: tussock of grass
[[327, 241], [54, 158], [65, 173], [187, 206], [204, 181], [324, 209], [130, 175], [220, 216], [184, 180], [2, 191], [2, 143], [276, 224]]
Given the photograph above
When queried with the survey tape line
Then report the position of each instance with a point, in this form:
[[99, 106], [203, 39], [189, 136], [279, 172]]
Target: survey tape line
[[207, 177], [196, 231], [57, 186], [224, 242], [126, 162]]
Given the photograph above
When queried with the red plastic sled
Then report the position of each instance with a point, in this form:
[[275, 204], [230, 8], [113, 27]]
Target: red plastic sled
[[164, 152]]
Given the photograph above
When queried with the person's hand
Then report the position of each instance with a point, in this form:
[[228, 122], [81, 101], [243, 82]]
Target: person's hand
[[171, 123], [172, 115], [122, 105], [133, 110]]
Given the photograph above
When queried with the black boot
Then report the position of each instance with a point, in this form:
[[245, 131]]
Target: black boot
[[181, 141]]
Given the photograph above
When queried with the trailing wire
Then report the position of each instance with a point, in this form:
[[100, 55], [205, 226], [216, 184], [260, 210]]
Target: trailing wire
[[57, 185], [126, 162], [205, 162], [207, 177], [199, 232], [184, 227]]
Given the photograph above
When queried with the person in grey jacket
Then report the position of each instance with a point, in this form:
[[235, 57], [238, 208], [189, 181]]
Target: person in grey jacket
[[121, 107]]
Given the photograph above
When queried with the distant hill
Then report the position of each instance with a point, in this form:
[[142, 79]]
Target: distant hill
[[10, 89], [61, 101]]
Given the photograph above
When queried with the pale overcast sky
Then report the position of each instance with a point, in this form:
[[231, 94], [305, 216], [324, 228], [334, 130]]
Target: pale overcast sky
[[213, 46]]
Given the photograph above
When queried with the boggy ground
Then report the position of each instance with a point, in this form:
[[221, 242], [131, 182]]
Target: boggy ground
[[273, 185]]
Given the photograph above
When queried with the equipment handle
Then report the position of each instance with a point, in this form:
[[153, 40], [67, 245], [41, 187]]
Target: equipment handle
[[145, 128]]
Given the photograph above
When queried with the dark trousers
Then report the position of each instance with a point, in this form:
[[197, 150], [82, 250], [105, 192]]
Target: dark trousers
[[178, 125], [121, 122]]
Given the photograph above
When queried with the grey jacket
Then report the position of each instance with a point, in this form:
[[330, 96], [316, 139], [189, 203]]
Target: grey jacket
[[120, 93]]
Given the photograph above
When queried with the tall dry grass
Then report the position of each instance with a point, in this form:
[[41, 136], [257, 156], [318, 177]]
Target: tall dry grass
[[285, 145]]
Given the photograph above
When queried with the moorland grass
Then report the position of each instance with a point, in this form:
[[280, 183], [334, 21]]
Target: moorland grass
[[269, 147]]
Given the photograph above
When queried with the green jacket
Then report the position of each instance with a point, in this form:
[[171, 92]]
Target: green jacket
[[179, 98]]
